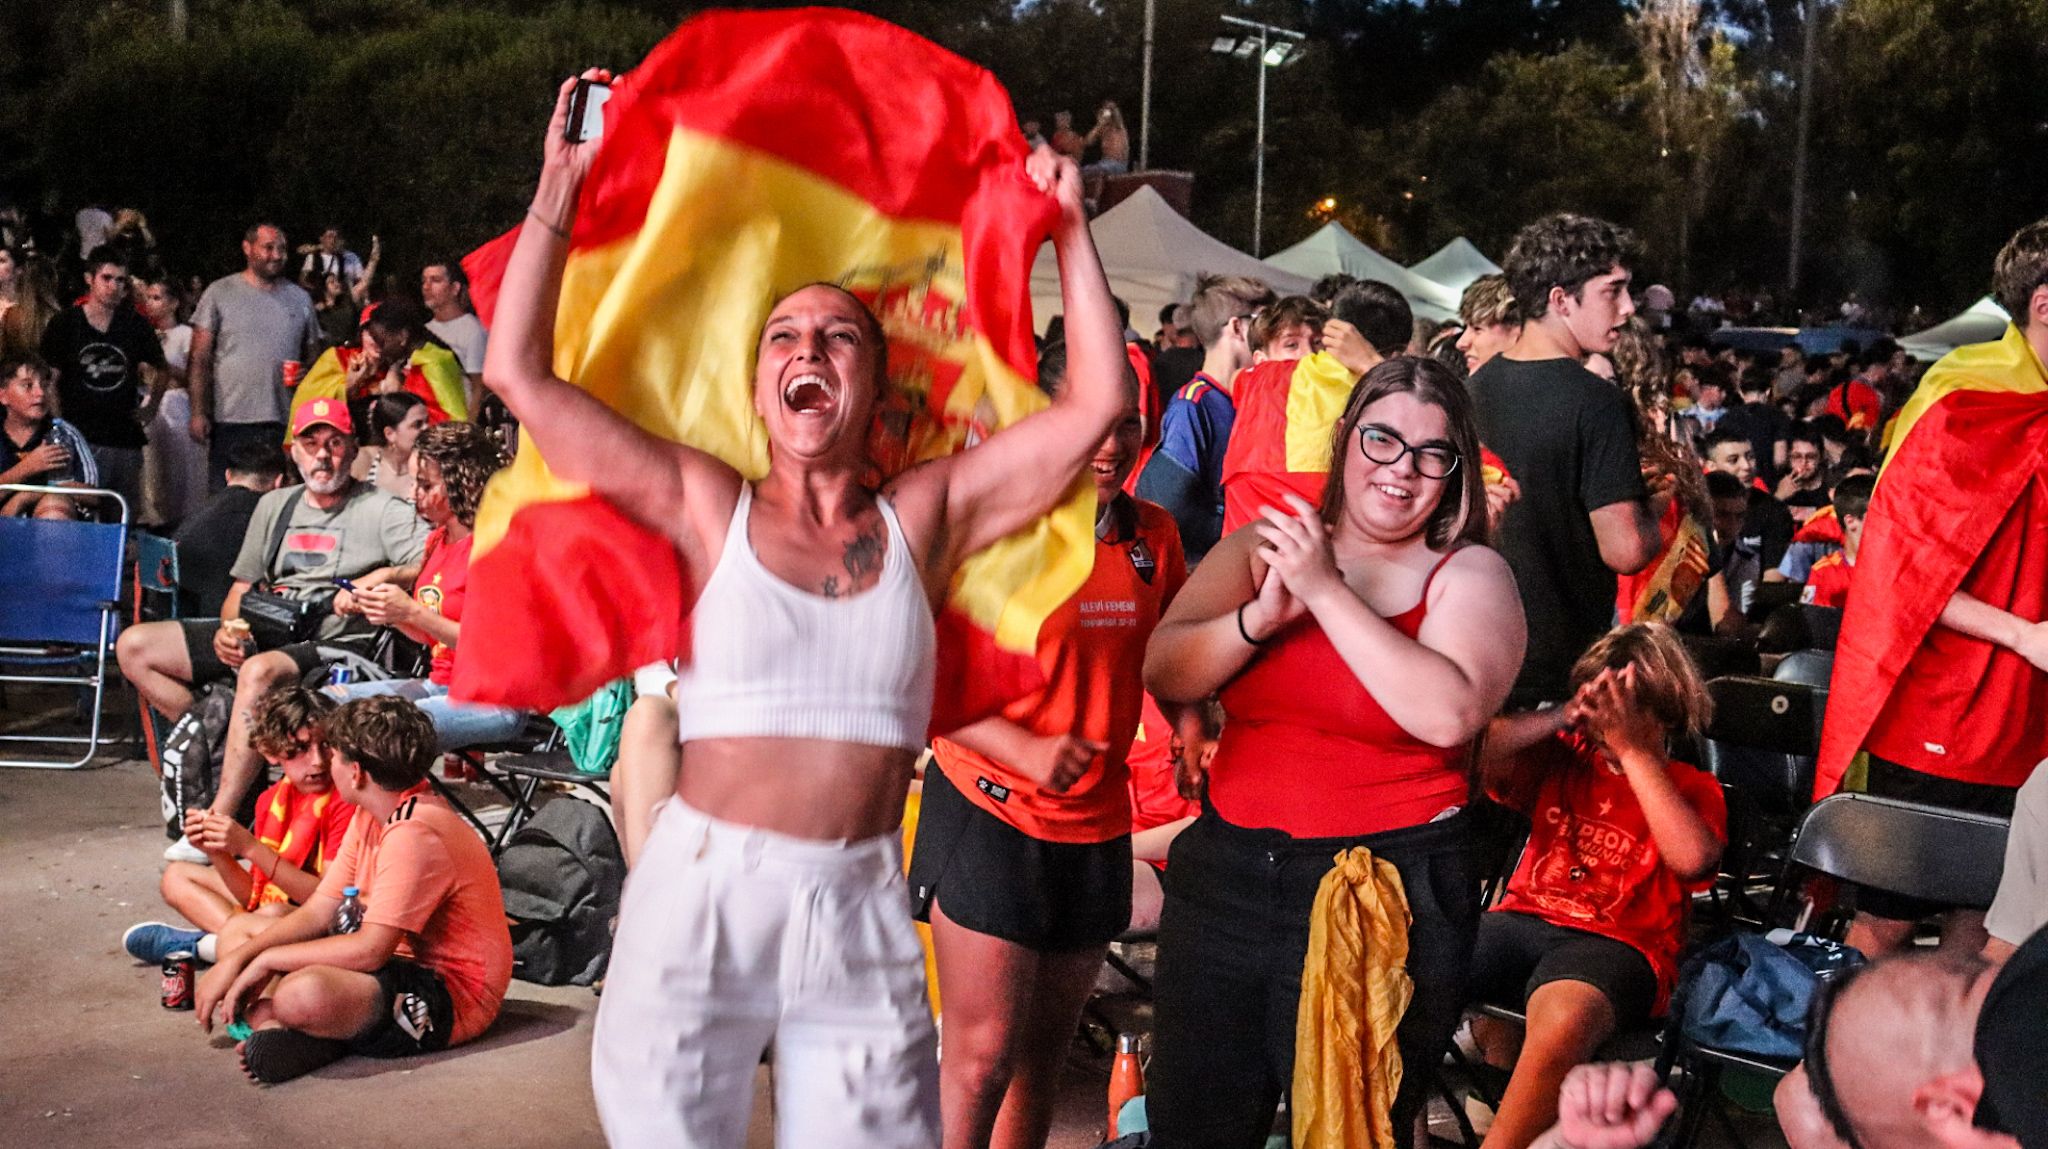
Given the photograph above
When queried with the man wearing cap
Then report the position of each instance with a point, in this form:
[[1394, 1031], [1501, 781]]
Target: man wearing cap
[[301, 540]]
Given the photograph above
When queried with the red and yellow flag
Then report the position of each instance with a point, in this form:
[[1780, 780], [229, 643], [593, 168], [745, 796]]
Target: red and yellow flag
[[433, 374], [1287, 409], [1955, 493], [752, 153]]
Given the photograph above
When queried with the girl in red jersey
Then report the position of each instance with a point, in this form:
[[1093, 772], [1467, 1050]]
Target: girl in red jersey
[[1023, 857], [1586, 939], [1358, 647]]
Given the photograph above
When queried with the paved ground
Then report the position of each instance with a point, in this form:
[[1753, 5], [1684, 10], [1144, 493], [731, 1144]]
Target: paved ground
[[89, 1058]]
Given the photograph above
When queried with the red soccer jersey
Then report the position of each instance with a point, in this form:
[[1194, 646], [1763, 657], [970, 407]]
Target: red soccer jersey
[[1092, 653], [1827, 584], [442, 586], [1591, 863], [305, 829]]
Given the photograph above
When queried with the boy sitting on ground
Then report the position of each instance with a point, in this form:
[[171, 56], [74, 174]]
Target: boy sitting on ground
[[428, 966], [299, 827], [1587, 938]]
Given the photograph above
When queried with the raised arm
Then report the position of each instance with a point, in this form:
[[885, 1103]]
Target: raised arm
[[1023, 471], [583, 440]]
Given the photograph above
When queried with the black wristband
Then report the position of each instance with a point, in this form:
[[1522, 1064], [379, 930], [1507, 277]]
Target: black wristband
[[1242, 632]]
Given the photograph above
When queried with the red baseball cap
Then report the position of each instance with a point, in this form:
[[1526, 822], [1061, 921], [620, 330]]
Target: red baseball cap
[[332, 412]]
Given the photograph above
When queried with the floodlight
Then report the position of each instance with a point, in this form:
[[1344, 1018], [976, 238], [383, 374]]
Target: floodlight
[[1246, 48], [1278, 54], [1224, 45]]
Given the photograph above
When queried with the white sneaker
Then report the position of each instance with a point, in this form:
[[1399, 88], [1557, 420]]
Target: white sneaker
[[184, 851]]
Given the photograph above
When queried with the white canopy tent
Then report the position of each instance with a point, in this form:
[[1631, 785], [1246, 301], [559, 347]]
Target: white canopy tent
[[1982, 322], [1153, 256], [1455, 265], [1333, 250]]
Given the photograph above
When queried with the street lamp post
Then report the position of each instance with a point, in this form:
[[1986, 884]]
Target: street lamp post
[[1269, 55]]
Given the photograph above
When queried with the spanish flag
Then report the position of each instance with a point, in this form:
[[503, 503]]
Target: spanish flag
[[750, 154], [1957, 505], [433, 374], [1287, 410]]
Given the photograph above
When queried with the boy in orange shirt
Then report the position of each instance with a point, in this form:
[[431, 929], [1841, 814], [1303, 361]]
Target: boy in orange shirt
[[1827, 584], [299, 826], [428, 965]]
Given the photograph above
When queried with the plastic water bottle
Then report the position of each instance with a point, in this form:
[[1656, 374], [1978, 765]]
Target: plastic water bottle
[[348, 918]]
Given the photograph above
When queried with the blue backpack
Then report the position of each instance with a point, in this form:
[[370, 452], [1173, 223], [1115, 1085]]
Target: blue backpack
[[1749, 995]]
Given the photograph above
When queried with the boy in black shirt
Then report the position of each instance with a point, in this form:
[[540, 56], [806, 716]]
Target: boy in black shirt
[[105, 354], [1568, 438]]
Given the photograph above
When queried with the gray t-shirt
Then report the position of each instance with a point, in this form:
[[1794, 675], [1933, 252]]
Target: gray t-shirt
[[464, 335], [370, 529], [255, 330]]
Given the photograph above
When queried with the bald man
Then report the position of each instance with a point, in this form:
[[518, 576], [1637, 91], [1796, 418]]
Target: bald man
[[1930, 1049]]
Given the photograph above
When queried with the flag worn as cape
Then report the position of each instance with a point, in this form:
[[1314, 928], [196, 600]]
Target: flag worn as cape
[[1287, 409], [750, 154], [1943, 493]]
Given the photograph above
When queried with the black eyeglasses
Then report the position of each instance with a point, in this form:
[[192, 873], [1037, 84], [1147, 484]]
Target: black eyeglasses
[[1381, 445], [1819, 1078]]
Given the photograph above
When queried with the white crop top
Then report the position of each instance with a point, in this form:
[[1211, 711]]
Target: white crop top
[[771, 661]]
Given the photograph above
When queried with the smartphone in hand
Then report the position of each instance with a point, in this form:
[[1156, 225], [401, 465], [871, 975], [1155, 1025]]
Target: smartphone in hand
[[586, 111]]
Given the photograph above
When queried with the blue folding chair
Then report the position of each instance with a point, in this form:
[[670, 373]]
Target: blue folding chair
[[58, 615]]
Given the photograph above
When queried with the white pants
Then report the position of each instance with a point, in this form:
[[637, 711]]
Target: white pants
[[731, 938]]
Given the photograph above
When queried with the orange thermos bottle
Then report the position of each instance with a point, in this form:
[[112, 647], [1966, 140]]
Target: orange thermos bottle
[[1126, 1079]]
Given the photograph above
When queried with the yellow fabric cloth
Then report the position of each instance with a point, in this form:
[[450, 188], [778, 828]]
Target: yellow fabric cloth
[[1354, 989]]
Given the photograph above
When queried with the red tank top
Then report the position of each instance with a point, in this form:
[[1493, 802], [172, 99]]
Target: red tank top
[[1307, 750]]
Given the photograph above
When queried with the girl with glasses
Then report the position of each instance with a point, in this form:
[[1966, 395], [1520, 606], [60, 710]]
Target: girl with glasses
[[1358, 648]]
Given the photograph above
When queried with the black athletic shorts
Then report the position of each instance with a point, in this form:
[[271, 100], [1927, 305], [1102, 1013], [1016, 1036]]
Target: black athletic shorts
[[1888, 779], [207, 666], [1519, 953], [994, 879], [417, 1015]]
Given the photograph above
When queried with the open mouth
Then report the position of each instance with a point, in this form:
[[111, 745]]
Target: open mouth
[[1395, 493], [809, 394]]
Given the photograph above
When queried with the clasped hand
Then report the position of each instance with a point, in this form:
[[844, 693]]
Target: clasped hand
[[1301, 569]]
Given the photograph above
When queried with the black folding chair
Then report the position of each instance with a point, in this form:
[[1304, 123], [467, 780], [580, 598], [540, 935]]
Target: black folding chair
[[1814, 668], [1762, 746], [1934, 854]]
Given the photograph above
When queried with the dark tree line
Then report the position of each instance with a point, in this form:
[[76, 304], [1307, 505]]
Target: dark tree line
[[1421, 119]]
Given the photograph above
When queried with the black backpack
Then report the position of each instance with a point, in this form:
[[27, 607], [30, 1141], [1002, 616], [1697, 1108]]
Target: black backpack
[[562, 874], [194, 749]]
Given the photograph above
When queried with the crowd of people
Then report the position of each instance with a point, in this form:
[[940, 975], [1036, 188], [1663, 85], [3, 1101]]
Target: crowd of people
[[1501, 558]]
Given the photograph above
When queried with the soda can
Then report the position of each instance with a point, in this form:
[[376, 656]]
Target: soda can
[[340, 674], [178, 984], [292, 368]]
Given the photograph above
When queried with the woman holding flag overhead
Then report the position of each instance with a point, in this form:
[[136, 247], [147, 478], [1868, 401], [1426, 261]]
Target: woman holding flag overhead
[[768, 904]]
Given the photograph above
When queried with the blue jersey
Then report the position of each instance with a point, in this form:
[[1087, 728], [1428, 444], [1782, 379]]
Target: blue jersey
[[1186, 472]]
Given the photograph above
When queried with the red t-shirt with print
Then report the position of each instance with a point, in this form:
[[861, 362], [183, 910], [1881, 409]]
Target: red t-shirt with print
[[1591, 863]]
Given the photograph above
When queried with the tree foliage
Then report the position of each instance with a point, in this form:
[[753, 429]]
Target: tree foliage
[[1418, 119]]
